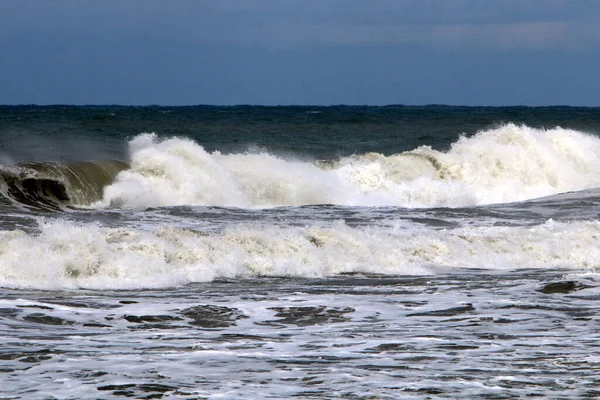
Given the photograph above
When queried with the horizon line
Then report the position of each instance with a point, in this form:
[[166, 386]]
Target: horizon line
[[293, 105]]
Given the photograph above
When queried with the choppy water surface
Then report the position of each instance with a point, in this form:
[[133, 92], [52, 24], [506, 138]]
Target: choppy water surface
[[299, 252], [464, 335]]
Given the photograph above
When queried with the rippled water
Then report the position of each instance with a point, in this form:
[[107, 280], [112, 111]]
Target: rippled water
[[465, 335]]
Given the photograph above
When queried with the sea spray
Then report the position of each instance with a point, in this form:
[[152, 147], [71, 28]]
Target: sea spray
[[506, 164]]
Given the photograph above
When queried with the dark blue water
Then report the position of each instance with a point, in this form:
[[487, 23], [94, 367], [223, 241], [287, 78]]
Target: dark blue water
[[60, 132]]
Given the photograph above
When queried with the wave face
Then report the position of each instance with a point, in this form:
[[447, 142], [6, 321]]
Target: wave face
[[56, 186], [507, 164]]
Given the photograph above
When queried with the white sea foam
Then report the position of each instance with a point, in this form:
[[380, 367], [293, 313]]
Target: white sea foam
[[66, 254], [509, 163]]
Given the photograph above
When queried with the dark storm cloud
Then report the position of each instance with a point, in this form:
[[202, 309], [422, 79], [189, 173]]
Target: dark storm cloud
[[295, 22], [275, 51]]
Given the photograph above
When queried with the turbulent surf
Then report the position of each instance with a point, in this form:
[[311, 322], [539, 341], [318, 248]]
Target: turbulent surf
[[500, 166], [309, 252], [506, 164]]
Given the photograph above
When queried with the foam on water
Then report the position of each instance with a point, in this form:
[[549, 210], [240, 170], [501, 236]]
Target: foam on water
[[469, 336], [67, 254], [506, 164]]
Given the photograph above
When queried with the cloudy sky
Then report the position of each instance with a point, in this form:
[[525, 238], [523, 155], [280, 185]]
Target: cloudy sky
[[175, 52]]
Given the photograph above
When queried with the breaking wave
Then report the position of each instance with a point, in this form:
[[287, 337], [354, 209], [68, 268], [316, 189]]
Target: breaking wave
[[55, 186], [506, 164], [64, 254]]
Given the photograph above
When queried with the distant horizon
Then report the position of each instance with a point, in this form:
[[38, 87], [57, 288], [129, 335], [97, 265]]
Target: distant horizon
[[299, 105]]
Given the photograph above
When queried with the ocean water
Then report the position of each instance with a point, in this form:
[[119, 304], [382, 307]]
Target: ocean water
[[299, 252]]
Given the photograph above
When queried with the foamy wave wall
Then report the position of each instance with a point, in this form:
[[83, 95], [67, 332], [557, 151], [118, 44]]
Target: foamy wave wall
[[70, 255], [506, 164]]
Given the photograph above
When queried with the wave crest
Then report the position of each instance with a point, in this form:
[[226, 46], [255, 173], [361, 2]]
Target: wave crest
[[506, 164]]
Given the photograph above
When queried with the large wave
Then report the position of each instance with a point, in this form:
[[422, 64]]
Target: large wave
[[56, 186], [506, 164]]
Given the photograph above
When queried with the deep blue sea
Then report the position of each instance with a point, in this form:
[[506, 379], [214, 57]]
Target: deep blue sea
[[340, 252]]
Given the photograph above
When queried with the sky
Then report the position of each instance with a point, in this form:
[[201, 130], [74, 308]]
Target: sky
[[300, 52]]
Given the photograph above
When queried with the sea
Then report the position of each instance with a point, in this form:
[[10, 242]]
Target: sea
[[305, 252]]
